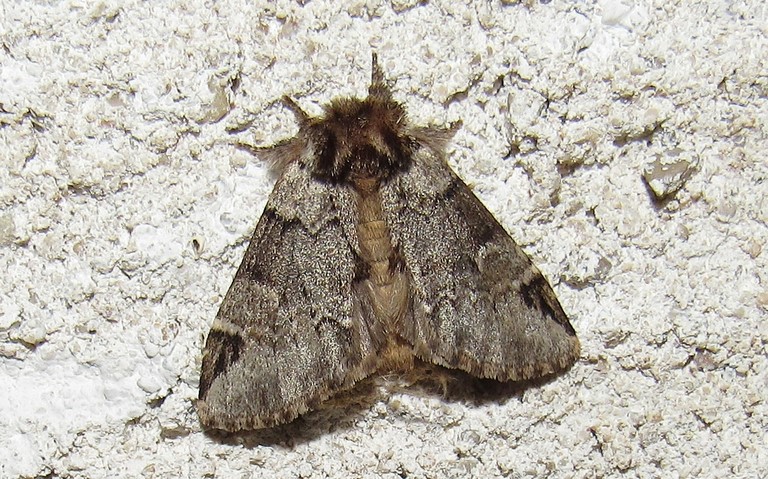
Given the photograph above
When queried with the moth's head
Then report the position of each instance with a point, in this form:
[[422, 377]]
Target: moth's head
[[359, 139], [356, 139]]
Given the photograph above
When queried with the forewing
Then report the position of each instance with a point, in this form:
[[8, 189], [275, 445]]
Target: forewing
[[478, 302], [290, 331]]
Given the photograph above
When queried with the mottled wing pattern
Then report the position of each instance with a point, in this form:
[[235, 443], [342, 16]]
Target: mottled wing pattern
[[478, 302], [291, 331]]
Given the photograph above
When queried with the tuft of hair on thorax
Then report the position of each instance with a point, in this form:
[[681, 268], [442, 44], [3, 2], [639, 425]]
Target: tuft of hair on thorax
[[356, 140]]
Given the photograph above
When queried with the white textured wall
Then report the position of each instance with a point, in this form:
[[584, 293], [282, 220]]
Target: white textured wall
[[114, 167]]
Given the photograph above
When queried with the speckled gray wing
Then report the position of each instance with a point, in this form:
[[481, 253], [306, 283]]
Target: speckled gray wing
[[477, 302], [290, 331]]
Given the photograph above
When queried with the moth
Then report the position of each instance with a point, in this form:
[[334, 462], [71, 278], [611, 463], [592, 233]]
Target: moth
[[371, 252]]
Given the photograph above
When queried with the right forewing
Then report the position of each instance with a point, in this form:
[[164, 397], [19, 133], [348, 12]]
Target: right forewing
[[478, 302]]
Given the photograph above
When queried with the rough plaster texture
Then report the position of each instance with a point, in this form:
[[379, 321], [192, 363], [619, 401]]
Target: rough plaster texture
[[125, 209]]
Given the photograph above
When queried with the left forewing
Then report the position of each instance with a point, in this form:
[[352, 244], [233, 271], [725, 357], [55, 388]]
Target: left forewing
[[290, 331]]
